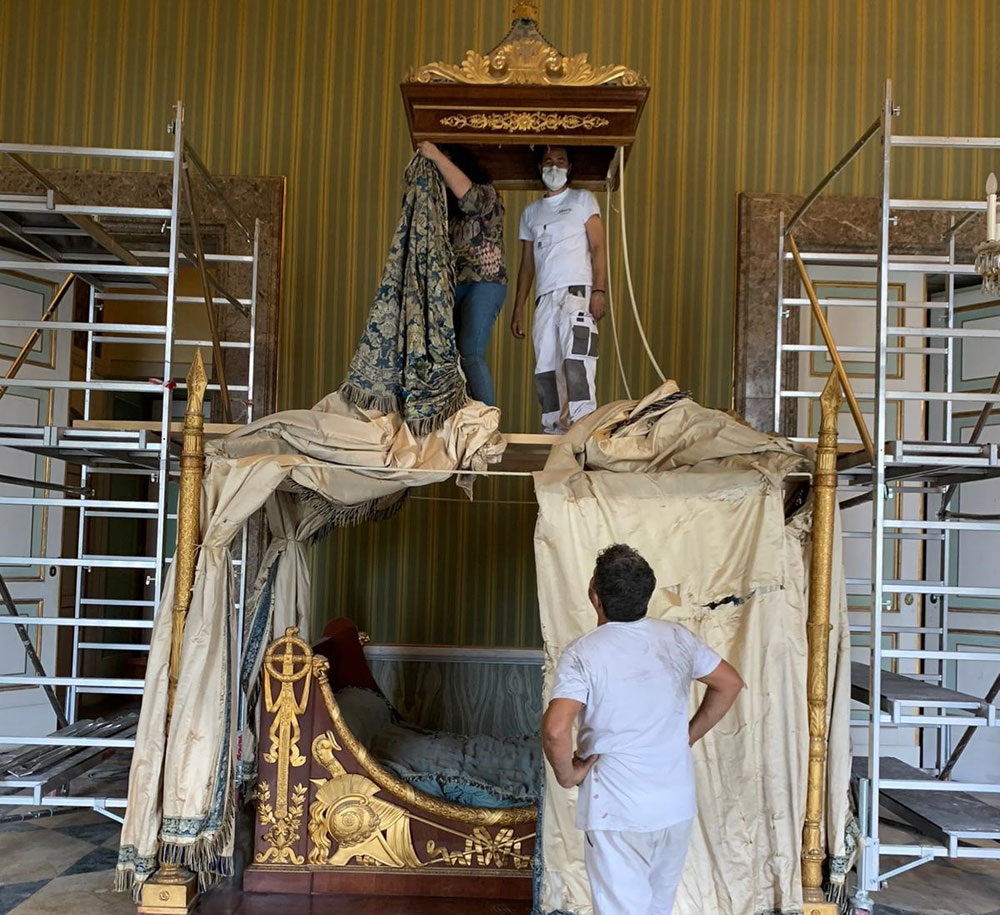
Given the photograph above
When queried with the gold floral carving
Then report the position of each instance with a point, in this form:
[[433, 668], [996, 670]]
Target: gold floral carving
[[525, 58], [524, 121], [366, 828], [483, 849], [282, 831]]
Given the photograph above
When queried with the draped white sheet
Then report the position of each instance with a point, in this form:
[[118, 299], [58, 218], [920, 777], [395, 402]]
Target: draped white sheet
[[309, 469], [711, 523]]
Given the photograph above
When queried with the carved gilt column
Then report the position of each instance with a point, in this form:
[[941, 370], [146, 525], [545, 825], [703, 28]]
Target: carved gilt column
[[172, 888], [818, 633]]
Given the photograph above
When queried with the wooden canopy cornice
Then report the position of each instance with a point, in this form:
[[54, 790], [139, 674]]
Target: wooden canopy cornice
[[503, 103]]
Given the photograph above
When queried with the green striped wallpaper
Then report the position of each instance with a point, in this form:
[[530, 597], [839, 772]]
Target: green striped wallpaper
[[757, 95]]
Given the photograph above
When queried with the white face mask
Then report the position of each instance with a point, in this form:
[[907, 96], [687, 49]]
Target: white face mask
[[554, 177]]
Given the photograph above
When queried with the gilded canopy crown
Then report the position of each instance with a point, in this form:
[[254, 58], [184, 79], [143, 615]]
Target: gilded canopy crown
[[524, 57]]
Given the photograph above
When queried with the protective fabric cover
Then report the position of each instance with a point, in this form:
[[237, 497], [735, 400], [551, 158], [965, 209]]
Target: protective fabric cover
[[711, 523], [407, 359], [309, 469]]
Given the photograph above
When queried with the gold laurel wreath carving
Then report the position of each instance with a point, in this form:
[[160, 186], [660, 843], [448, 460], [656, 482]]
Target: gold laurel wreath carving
[[283, 831]]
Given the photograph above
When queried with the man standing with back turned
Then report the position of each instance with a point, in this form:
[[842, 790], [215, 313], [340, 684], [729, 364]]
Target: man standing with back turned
[[631, 679]]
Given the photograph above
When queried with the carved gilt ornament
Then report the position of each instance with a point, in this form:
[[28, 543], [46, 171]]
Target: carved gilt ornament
[[525, 121], [525, 58]]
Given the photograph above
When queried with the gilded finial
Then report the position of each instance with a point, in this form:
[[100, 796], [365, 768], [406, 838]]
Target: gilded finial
[[197, 383], [832, 398], [525, 58], [526, 11]]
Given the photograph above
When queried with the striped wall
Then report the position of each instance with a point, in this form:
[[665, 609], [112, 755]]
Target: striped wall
[[757, 95]]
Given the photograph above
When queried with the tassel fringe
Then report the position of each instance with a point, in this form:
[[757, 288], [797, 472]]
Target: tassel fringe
[[425, 425], [366, 400], [206, 857], [337, 515], [390, 403]]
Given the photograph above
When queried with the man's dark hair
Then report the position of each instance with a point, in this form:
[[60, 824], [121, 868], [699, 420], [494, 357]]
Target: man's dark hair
[[624, 582], [540, 152]]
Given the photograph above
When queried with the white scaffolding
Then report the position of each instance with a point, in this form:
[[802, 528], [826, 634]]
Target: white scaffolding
[[105, 450], [930, 467]]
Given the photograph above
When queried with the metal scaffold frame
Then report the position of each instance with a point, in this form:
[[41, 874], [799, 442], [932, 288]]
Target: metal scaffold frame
[[881, 470], [30, 774]]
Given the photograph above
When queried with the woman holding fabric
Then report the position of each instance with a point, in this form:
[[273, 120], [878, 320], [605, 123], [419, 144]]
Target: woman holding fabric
[[475, 223]]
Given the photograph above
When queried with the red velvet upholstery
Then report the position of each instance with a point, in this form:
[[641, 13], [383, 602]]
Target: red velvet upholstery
[[341, 646]]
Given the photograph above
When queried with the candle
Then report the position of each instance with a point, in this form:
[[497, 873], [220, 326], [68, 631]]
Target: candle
[[991, 207]]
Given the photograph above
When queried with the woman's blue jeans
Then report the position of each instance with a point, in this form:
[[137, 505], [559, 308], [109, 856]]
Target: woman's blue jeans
[[476, 308]]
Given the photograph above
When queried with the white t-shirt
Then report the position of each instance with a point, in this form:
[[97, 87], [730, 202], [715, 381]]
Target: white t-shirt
[[555, 227], [634, 680]]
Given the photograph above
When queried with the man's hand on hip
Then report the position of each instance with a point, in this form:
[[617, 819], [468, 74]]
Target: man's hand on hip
[[579, 772]]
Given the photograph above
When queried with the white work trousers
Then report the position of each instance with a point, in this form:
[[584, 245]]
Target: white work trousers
[[565, 337], [635, 873]]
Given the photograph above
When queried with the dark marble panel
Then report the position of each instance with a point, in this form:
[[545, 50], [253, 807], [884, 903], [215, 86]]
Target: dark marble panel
[[832, 224]]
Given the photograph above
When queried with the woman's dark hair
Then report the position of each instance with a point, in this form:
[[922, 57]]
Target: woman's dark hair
[[474, 170], [624, 582]]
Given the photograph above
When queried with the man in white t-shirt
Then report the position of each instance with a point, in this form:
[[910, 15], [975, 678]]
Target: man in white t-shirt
[[563, 252], [630, 681]]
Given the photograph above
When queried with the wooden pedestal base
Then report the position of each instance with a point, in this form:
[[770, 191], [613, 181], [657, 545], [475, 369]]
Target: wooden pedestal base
[[168, 898]]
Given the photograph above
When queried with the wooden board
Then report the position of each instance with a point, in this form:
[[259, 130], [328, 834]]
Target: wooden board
[[897, 688], [942, 815]]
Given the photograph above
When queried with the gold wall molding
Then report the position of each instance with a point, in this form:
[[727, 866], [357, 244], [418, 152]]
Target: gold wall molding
[[524, 121]]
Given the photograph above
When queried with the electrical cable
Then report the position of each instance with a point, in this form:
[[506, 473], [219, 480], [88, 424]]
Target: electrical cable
[[611, 301], [628, 269]]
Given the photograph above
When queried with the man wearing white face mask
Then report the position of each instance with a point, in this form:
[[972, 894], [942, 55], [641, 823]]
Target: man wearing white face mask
[[563, 253]]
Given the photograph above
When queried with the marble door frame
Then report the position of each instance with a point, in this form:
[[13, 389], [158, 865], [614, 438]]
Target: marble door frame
[[832, 224]]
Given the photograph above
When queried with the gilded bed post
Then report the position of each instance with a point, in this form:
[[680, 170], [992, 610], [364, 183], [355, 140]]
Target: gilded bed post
[[188, 516], [172, 888], [818, 633]]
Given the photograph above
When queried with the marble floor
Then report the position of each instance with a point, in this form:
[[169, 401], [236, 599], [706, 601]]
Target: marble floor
[[64, 863]]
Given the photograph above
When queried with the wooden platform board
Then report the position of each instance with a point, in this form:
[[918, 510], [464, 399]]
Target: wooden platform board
[[525, 452], [942, 815], [905, 691]]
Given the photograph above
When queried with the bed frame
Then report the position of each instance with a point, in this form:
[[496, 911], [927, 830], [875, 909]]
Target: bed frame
[[331, 820]]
